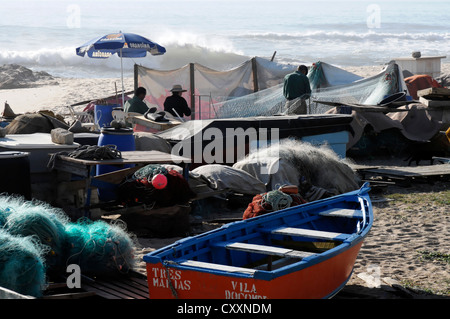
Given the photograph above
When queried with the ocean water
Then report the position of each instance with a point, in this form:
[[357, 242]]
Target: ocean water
[[43, 34]]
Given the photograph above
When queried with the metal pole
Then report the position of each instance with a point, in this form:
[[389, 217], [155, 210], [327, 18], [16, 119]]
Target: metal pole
[[123, 88], [192, 92], [255, 75]]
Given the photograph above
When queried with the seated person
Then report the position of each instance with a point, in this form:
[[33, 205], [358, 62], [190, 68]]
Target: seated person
[[137, 104], [177, 102]]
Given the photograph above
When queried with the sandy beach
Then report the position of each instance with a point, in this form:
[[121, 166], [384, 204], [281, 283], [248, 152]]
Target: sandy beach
[[406, 252]]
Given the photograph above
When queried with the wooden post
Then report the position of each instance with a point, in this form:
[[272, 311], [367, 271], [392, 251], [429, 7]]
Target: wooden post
[[255, 75], [136, 76], [192, 83], [273, 56]]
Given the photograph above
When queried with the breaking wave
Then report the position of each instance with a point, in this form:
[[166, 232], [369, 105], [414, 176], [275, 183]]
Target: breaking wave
[[64, 62], [371, 35]]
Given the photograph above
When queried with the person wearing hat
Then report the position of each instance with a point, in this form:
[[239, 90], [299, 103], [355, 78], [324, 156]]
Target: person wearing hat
[[176, 104], [136, 104]]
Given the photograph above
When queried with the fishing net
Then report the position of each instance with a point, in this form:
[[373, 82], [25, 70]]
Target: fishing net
[[262, 103], [271, 201], [100, 248], [147, 172], [369, 91], [22, 264], [316, 166], [139, 188], [35, 218], [4, 213], [38, 241], [271, 101]]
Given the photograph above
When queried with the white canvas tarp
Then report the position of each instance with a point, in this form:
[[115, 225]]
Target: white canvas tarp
[[206, 86]]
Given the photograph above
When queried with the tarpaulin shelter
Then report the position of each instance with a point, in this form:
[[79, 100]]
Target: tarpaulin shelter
[[206, 87], [255, 88]]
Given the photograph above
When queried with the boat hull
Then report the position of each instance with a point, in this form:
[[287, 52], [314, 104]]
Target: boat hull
[[302, 252], [318, 281]]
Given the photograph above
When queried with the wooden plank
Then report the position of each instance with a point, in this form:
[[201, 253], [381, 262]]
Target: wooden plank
[[434, 103], [116, 177], [310, 233], [434, 91], [347, 213], [76, 295], [206, 265], [131, 157], [161, 126], [269, 250], [76, 168], [373, 108], [413, 171]]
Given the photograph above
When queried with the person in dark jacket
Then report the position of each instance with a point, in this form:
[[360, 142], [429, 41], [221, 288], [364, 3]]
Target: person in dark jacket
[[296, 90], [176, 104]]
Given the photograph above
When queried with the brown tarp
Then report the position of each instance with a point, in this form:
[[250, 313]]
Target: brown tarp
[[34, 123]]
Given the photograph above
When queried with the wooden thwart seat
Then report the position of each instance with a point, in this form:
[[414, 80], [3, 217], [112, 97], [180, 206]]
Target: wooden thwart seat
[[348, 213], [226, 268], [310, 233], [269, 250]]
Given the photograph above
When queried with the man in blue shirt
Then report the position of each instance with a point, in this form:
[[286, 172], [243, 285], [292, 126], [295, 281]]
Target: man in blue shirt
[[296, 90]]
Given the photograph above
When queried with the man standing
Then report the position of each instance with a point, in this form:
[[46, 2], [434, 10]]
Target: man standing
[[176, 103], [137, 104], [296, 90]]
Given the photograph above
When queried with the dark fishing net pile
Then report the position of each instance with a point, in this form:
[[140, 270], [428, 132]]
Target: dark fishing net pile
[[138, 188]]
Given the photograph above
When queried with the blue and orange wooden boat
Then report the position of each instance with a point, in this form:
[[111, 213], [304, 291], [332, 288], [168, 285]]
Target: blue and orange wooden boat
[[305, 251]]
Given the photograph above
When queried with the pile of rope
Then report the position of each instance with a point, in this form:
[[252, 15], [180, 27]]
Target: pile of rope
[[89, 152], [284, 197], [94, 152]]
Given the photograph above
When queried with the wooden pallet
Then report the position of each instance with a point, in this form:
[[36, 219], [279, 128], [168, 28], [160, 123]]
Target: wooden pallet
[[132, 286]]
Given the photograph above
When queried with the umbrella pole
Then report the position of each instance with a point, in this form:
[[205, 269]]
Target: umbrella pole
[[123, 88]]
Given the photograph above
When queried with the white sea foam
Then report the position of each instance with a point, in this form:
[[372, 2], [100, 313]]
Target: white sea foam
[[43, 35]]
